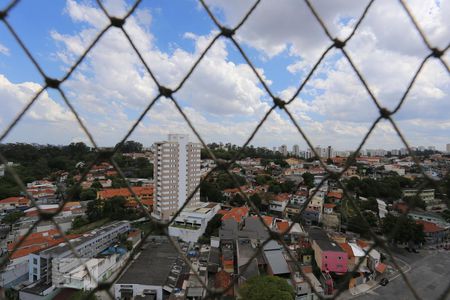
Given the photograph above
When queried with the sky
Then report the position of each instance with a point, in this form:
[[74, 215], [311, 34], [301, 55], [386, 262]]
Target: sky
[[223, 98]]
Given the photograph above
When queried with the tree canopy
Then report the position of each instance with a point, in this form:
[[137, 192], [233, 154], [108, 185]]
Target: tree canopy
[[266, 288], [402, 229]]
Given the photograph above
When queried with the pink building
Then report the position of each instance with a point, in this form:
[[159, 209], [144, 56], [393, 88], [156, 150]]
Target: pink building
[[328, 255]]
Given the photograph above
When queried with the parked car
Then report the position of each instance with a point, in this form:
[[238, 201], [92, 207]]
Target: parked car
[[408, 249], [415, 250], [384, 281]]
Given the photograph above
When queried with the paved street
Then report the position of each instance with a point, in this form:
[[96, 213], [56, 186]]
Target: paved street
[[429, 275]]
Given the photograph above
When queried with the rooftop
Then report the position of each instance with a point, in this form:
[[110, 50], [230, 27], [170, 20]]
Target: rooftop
[[64, 247], [153, 265], [320, 237]]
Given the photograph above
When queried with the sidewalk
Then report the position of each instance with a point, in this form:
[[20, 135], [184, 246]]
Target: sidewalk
[[362, 288]]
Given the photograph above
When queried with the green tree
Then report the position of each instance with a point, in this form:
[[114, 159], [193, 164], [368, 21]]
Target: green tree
[[370, 204], [210, 192], [83, 295], [256, 199], [130, 147], [358, 225], [79, 221], [13, 217], [96, 185], [266, 288], [115, 209], [402, 229], [74, 192], [212, 229], [446, 215], [89, 194], [237, 200], [308, 179], [415, 202], [94, 210]]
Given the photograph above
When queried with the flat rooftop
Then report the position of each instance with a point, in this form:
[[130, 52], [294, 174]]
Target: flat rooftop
[[321, 238], [154, 264]]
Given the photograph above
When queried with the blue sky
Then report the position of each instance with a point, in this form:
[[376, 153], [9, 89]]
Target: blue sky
[[223, 98]]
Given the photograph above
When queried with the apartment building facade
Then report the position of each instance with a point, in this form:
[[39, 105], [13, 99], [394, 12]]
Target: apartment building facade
[[88, 245], [177, 173]]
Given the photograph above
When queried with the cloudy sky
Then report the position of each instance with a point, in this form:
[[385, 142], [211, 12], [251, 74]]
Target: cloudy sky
[[223, 97]]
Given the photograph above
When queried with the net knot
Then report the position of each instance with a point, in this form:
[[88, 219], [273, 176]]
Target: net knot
[[117, 22], [339, 44], [52, 83], [385, 113], [166, 92], [278, 102], [435, 52], [227, 32]]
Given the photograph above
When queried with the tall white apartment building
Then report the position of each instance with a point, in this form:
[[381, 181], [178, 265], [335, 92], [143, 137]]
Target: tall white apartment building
[[296, 150], [283, 150], [176, 173]]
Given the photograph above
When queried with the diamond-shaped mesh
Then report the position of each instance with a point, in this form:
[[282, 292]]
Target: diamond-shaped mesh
[[282, 104]]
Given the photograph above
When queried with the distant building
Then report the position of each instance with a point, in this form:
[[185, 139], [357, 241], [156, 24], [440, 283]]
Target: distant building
[[382, 208], [283, 150], [296, 150], [447, 148], [177, 174], [427, 195], [330, 152]]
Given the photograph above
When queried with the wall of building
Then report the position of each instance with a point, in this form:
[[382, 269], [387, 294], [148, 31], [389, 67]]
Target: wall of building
[[334, 261], [14, 273]]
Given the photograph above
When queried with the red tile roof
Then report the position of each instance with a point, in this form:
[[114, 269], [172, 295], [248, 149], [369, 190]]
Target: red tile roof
[[346, 247], [124, 192], [429, 227], [237, 213], [282, 197], [335, 195], [380, 268], [329, 205], [222, 281], [15, 200], [362, 244], [283, 227], [38, 241], [267, 219]]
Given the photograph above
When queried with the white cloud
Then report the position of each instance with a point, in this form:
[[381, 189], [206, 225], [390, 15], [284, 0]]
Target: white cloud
[[224, 99], [4, 50]]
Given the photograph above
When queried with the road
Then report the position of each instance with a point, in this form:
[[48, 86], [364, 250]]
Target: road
[[429, 274]]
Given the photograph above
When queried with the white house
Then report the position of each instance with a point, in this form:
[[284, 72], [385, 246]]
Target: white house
[[192, 221]]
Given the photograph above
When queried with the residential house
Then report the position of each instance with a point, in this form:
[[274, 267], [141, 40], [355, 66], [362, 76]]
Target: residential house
[[145, 195], [236, 213], [278, 203], [434, 234], [327, 254], [12, 203]]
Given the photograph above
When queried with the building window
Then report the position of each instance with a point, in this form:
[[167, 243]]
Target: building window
[[326, 257], [35, 261], [339, 257]]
